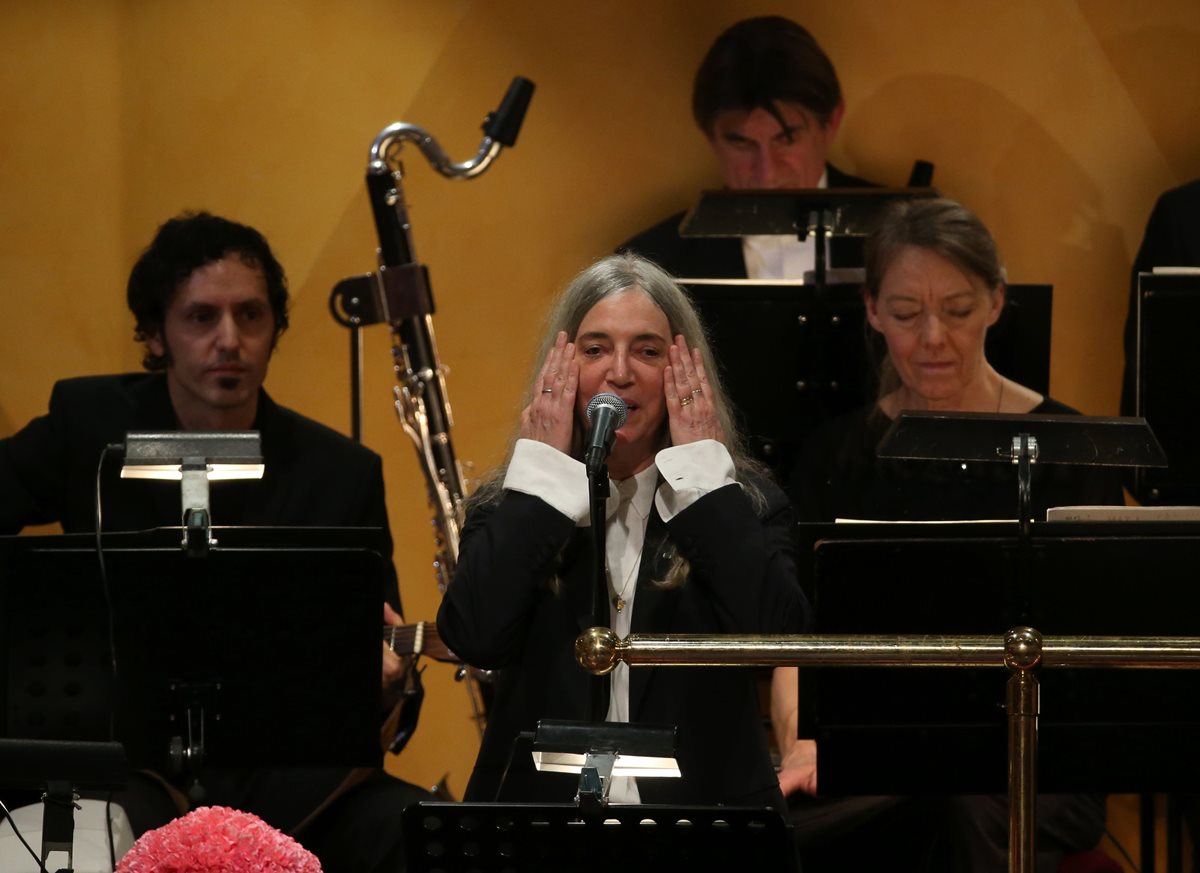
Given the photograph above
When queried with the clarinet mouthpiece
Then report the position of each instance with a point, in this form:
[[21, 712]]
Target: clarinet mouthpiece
[[504, 124]]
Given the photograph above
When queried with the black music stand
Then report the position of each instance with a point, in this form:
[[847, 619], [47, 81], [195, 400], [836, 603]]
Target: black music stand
[[1022, 440], [590, 833], [1167, 394], [228, 660], [833, 213], [460, 837], [882, 731], [792, 358]]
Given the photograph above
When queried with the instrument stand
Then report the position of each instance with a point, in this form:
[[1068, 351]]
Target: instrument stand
[[58, 821], [193, 703]]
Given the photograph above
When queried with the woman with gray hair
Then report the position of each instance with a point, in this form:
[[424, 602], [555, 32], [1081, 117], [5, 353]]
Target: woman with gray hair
[[697, 541]]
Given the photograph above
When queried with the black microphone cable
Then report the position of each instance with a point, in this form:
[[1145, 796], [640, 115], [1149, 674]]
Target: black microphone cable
[[112, 637]]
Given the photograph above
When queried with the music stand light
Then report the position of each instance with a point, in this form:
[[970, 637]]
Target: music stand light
[[1022, 440], [800, 212], [598, 751], [988, 436], [194, 458]]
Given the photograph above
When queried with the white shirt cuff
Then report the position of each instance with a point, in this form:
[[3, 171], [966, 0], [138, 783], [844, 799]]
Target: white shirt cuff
[[543, 471], [689, 472]]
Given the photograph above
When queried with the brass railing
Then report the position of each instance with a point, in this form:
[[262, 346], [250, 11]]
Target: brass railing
[[1022, 650]]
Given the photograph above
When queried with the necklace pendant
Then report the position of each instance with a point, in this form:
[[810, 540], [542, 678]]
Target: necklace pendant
[[618, 602]]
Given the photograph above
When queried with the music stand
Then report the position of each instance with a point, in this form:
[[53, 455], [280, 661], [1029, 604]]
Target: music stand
[[459, 837], [1022, 440], [590, 833], [943, 730], [214, 655], [193, 458], [823, 212], [599, 751], [1166, 393]]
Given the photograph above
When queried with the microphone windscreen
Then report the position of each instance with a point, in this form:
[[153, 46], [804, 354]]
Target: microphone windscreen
[[620, 410]]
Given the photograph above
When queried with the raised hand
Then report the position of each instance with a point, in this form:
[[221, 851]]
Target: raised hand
[[689, 404], [550, 416]]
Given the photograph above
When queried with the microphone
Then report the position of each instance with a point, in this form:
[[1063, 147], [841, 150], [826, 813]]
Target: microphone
[[605, 413]]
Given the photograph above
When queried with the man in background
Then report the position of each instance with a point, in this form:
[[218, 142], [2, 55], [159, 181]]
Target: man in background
[[768, 101], [210, 302]]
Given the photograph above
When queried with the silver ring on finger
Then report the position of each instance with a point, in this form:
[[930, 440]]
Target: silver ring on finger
[[696, 391], [547, 390]]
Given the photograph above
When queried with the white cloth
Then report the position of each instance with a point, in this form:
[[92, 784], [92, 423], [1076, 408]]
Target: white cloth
[[781, 257], [688, 472]]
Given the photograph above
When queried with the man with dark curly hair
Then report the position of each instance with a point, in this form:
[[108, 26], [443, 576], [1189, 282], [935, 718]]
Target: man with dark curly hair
[[210, 301]]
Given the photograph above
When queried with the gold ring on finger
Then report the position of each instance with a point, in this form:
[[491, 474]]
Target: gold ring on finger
[[684, 401], [696, 391], [547, 390]]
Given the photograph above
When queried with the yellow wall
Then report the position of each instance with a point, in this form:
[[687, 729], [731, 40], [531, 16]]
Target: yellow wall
[[1059, 121]]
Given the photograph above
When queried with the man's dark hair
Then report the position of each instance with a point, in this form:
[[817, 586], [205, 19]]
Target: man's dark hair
[[183, 245], [759, 61]]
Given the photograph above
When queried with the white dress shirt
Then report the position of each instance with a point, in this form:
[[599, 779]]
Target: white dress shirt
[[782, 257]]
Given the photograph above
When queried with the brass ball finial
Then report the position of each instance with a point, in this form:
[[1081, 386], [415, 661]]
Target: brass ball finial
[[596, 650], [1022, 648]]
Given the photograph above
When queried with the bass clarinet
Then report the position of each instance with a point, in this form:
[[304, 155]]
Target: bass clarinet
[[398, 294]]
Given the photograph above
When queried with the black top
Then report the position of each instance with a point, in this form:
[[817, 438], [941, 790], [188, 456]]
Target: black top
[[721, 257], [314, 476], [503, 612], [839, 475]]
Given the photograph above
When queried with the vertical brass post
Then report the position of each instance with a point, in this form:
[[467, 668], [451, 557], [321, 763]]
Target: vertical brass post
[[1022, 655]]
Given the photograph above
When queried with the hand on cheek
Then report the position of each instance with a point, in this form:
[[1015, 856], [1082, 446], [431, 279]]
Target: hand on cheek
[[689, 404], [550, 415]]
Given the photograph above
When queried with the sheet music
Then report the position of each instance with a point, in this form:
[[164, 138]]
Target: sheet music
[[1123, 513]]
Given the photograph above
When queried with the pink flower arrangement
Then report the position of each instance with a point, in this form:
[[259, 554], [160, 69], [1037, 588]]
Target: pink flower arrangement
[[216, 839]]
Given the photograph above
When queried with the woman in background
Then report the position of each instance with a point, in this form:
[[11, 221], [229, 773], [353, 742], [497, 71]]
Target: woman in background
[[934, 285]]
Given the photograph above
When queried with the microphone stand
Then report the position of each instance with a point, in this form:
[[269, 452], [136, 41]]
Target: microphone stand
[[598, 498]]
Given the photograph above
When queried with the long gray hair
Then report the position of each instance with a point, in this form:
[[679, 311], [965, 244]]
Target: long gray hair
[[608, 277]]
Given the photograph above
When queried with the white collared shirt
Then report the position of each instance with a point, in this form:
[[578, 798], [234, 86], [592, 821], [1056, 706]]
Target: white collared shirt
[[782, 257]]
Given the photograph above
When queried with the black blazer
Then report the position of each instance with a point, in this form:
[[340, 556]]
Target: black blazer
[[314, 475], [1172, 239], [721, 257], [502, 612]]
